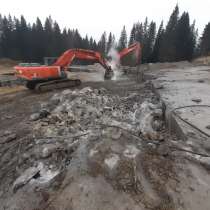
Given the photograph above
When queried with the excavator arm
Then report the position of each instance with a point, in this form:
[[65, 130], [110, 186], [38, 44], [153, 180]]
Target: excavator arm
[[136, 47]]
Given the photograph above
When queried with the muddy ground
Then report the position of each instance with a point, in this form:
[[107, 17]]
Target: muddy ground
[[76, 157]]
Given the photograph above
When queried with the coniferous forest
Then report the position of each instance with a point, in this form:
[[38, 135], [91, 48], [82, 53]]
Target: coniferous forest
[[174, 40]]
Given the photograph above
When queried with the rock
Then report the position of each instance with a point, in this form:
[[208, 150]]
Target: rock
[[131, 152], [157, 125], [25, 177], [163, 150], [48, 149], [86, 90], [66, 92], [145, 117], [35, 116], [197, 100], [44, 113], [208, 127], [93, 152], [102, 91]]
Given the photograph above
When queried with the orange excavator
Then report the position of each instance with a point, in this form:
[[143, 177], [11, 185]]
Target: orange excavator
[[55, 76]]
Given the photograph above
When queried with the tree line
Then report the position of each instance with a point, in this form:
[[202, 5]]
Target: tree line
[[177, 40]]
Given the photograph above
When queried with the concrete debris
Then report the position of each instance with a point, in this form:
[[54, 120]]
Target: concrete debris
[[87, 132], [35, 117], [131, 152], [42, 114], [25, 177], [149, 117], [81, 110], [111, 163], [48, 149], [35, 176]]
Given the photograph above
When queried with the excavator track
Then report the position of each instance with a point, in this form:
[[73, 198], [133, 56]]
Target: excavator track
[[57, 84]]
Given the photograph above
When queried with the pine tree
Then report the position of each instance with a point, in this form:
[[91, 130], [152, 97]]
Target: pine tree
[[57, 40], [205, 41], [109, 43], [168, 49], [123, 39], [77, 39], [158, 43], [184, 39], [132, 35], [48, 32], [1, 32], [102, 44], [139, 33], [38, 41], [149, 39], [194, 37]]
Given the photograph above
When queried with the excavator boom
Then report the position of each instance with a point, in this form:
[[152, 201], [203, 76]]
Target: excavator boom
[[68, 56]]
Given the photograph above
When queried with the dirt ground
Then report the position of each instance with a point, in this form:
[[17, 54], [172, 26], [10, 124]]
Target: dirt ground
[[109, 163]]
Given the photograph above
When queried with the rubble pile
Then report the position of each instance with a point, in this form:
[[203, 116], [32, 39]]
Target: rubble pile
[[89, 132], [75, 116], [84, 111]]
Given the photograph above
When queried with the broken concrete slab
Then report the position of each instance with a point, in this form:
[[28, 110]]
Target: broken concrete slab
[[25, 177], [181, 88], [147, 116]]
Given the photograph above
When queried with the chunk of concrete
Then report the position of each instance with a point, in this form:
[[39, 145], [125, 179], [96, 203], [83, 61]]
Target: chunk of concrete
[[25, 177], [48, 150], [145, 117], [35, 116], [131, 152], [197, 100], [111, 164]]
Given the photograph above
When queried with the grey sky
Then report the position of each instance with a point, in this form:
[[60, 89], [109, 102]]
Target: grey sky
[[95, 16]]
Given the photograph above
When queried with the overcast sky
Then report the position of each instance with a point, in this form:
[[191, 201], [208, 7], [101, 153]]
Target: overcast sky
[[95, 16]]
